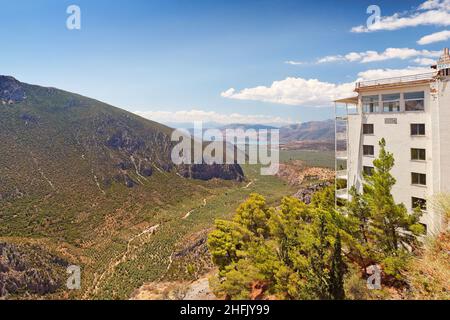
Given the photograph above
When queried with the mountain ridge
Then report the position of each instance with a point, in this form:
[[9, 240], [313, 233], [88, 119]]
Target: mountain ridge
[[116, 145]]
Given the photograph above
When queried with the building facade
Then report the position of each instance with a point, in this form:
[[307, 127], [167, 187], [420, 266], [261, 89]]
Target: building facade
[[412, 114]]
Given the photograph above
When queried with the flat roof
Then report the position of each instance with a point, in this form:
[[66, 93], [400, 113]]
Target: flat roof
[[351, 100], [394, 82]]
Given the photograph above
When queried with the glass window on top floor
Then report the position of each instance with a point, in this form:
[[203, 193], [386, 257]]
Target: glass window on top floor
[[391, 102], [370, 104], [414, 101]]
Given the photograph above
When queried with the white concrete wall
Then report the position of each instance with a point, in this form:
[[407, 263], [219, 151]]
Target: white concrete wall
[[399, 141], [441, 142]]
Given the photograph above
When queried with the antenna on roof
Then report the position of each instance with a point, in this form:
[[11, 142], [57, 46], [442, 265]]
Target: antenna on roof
[[443, 64]]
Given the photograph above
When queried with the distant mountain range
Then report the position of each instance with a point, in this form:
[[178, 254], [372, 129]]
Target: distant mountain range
[[308, 131], [313, 135], [247, 126]]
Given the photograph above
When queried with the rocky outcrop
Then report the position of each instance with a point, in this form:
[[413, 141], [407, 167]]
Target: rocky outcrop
[[11, 90], [297, 173], [305, 194], [138, 159], [208, 172], [28, 269]]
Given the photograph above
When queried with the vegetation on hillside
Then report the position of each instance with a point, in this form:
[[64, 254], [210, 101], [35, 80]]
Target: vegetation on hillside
[[82, 179], [298, 251], [428, 274]]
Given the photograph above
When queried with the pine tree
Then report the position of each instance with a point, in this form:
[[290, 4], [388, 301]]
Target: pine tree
[[392, 227], [337, 273], [360, 213]]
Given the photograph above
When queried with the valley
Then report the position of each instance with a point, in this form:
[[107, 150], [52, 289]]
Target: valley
[[151, 257], [93, 186]]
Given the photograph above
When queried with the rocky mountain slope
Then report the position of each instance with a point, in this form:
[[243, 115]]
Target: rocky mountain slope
[[52, 140], [80, 177], [29, 269]]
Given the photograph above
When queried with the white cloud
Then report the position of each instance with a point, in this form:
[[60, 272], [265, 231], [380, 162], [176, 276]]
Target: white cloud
[[373, 56], [188, 116], [425, 61], [375, 74], [294, 91], [328, 59], [435, 37], [435, 4], [430, 12], [312, 92], [294, 63]]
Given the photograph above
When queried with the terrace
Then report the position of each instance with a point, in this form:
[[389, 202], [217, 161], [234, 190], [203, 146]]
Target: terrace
[[396, 81]]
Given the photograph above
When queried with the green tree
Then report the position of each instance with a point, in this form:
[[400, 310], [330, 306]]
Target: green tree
[[338, 270], [295, 255], [360, 243], [253, 215], [226, 243], [391, 225]]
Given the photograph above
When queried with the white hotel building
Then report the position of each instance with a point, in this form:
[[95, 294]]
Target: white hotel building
[[412, 114]]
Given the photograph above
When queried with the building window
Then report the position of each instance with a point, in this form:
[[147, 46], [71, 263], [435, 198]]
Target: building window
[[414, 101], [417, 129], [368, 170], [419, 203], [418, 154], [418, 178], [370, 104], [391, 102], [368, 128], [368, 150], [425, 228]]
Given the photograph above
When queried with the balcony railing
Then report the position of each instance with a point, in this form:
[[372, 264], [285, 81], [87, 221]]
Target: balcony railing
[[341, 135], [342, 174], [342, 194], [341, 154], [415, 77]]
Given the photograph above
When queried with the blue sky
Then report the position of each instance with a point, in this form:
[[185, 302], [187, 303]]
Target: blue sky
[[178, 60]]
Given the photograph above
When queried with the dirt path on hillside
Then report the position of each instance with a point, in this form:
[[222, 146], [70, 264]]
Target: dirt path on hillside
[[122, 258], [190, 212], [249, 184], [149, 231], [111, 268]]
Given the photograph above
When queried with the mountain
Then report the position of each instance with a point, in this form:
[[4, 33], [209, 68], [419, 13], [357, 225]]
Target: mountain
[[247, 126], [53, 140], [313, 130], [314, 135], [74, 172]]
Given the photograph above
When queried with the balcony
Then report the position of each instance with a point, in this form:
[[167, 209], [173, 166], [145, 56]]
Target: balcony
[[396, 80], [342, 174], [342, 194], [341, 155], [341, 136]]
